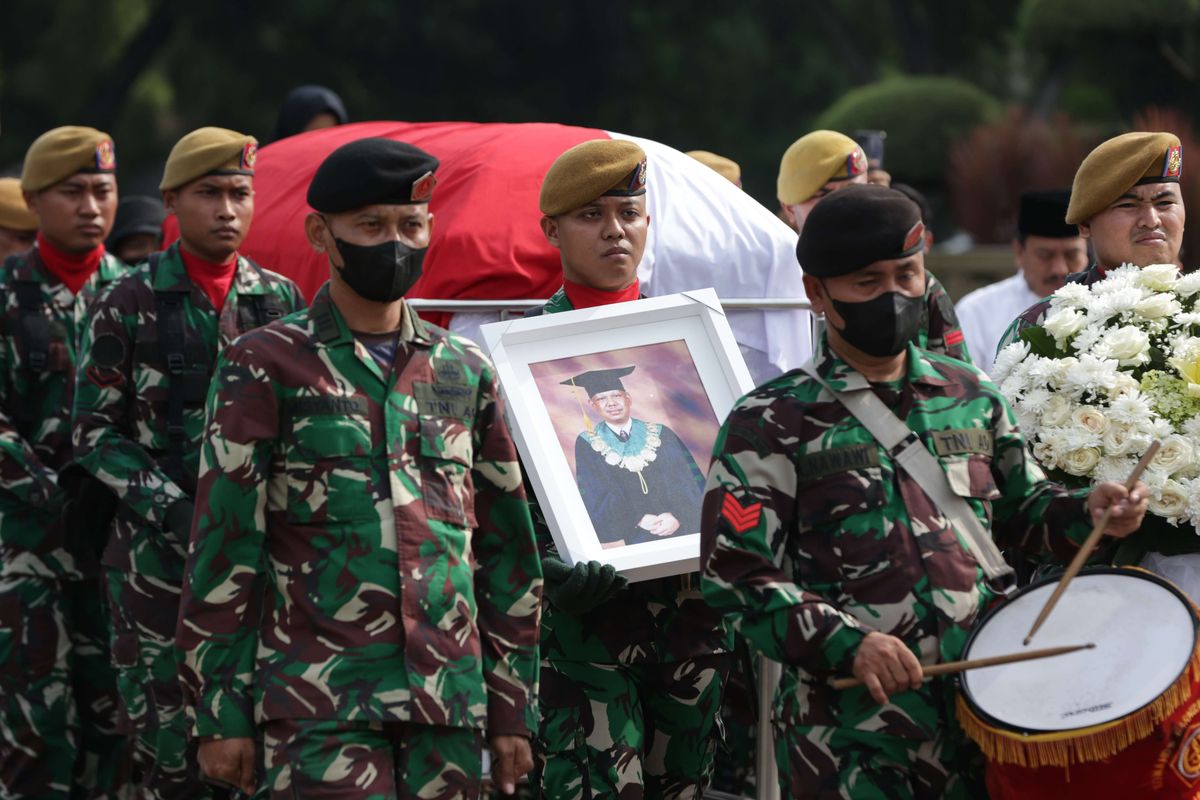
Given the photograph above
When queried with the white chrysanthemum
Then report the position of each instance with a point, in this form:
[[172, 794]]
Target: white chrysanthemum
[[1113, 468], [1130, 346], [1187, 319], [1158, 277], [1191, 428], [1057, 410], [1008, 358], [1155, 427], [1034, 401], [1085, 341], [1071, 295], [1090, 373], [1130, 408]]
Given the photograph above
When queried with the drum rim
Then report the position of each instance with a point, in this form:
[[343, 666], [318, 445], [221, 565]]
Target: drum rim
[[960, 679]]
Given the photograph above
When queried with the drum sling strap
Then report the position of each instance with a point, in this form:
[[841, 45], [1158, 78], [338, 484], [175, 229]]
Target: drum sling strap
[[910, 452]]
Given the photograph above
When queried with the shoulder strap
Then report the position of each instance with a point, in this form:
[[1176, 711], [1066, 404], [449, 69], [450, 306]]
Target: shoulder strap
[[173, 344], [35, 328], [910, 452]]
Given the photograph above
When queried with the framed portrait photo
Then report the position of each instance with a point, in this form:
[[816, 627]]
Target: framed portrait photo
[[615, 411]]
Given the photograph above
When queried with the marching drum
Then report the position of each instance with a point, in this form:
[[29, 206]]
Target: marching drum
[[1121, 720]]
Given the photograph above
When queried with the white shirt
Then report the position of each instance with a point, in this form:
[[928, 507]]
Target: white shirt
[[624, 427], [986, 313]]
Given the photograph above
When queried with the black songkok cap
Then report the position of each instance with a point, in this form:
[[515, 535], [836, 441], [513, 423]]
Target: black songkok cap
[[136, 214], [856, 226], [599, 380], [1045, 214], [373, 171]]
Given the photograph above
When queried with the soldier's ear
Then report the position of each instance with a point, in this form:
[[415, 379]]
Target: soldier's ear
[[314, 229], [550, 231], [168, 197], [816, 294]]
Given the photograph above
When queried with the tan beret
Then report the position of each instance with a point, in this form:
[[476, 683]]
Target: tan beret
[[1119, 164], [727, 167], [209, 151], [814, 160], [14, 214], [590, 170], [60, 153]]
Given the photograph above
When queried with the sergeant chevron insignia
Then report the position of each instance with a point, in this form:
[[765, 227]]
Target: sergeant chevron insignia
[[742, 518]]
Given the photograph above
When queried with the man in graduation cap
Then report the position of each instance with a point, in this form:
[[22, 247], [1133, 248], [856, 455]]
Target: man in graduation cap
[[651, 655], [637, 479]]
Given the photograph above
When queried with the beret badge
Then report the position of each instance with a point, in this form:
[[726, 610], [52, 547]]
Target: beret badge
[[249, 155], [422, 188], [856, 162], [1173, 165], [106, 156]]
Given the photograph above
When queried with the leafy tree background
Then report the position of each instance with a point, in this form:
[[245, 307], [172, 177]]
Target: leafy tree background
[[743, 79]]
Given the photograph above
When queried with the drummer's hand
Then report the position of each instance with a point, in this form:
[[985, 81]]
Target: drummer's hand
[[1128, 508], [885, 665]]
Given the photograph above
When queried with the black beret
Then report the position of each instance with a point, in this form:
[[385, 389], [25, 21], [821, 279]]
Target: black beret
[[1045, 214], [373, 171], [856, 226]]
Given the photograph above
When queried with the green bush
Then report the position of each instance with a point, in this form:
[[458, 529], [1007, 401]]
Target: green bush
[[1049, 21], [923, 116]]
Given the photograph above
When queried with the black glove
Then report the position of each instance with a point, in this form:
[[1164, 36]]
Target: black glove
[[87, 517], [178, 519], [582, 587]]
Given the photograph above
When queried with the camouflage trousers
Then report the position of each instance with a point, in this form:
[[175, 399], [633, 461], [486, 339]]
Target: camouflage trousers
[[58, 709], [823, 763], [628, 731], [144, 610], [338, 760]]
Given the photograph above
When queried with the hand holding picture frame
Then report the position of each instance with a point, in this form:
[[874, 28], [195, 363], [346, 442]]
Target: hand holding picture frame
[[615, 410]]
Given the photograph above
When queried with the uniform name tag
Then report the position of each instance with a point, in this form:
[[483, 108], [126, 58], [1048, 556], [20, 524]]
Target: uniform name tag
[[441, 400], [839, 459], [327, 404], [965, 440]]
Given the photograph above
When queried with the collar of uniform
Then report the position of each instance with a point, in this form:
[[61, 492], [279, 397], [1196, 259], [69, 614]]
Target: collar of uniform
[[558, 302], [111, 268], [170, 275], [844, 378], [248, 278], [330, 326]]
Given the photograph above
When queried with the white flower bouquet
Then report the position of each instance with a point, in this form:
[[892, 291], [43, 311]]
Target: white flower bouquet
[[1113, 367]]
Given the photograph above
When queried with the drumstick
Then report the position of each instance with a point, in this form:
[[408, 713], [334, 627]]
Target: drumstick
[[1085, 551], [951, 667]]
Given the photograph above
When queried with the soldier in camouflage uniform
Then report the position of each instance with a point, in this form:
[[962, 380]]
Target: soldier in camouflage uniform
[[832, 560], [146, 360], [58, 715], [631, 675], [819, 164], [364, 454]]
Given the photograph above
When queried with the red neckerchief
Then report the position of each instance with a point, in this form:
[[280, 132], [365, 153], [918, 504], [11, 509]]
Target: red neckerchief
[[214, 279], [73, 269], [586, 297]]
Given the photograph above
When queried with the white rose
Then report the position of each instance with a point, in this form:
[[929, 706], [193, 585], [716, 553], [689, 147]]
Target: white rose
[[1188, 285], [1119, 439], [1090, 419], [1174, 455], [1045, 454], [1123, 384], [1064, 323], [1127, 344], [1157, 306], [1159, 277], [1081, 461], [1170, 501], [1057, 411]]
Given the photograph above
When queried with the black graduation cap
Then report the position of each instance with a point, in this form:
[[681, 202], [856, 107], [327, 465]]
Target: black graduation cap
[[1044, 214], [596, 381]]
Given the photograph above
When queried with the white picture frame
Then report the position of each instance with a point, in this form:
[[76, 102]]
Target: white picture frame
[[520, 346]]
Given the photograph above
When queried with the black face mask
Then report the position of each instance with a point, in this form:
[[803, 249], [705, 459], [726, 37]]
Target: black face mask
[[882, 326], [380, 272]]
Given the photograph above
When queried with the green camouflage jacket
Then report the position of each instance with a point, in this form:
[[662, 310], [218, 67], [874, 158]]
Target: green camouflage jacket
[[37, 362], [664, 619], [812, 538], [403, 580], [123, 390], [940, 330]]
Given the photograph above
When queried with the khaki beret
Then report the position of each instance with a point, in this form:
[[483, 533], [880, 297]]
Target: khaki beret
[[814, 160], [14, 215], [727, 167], [590, 170], [60, 153], [1119, 164], [209, 151]]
